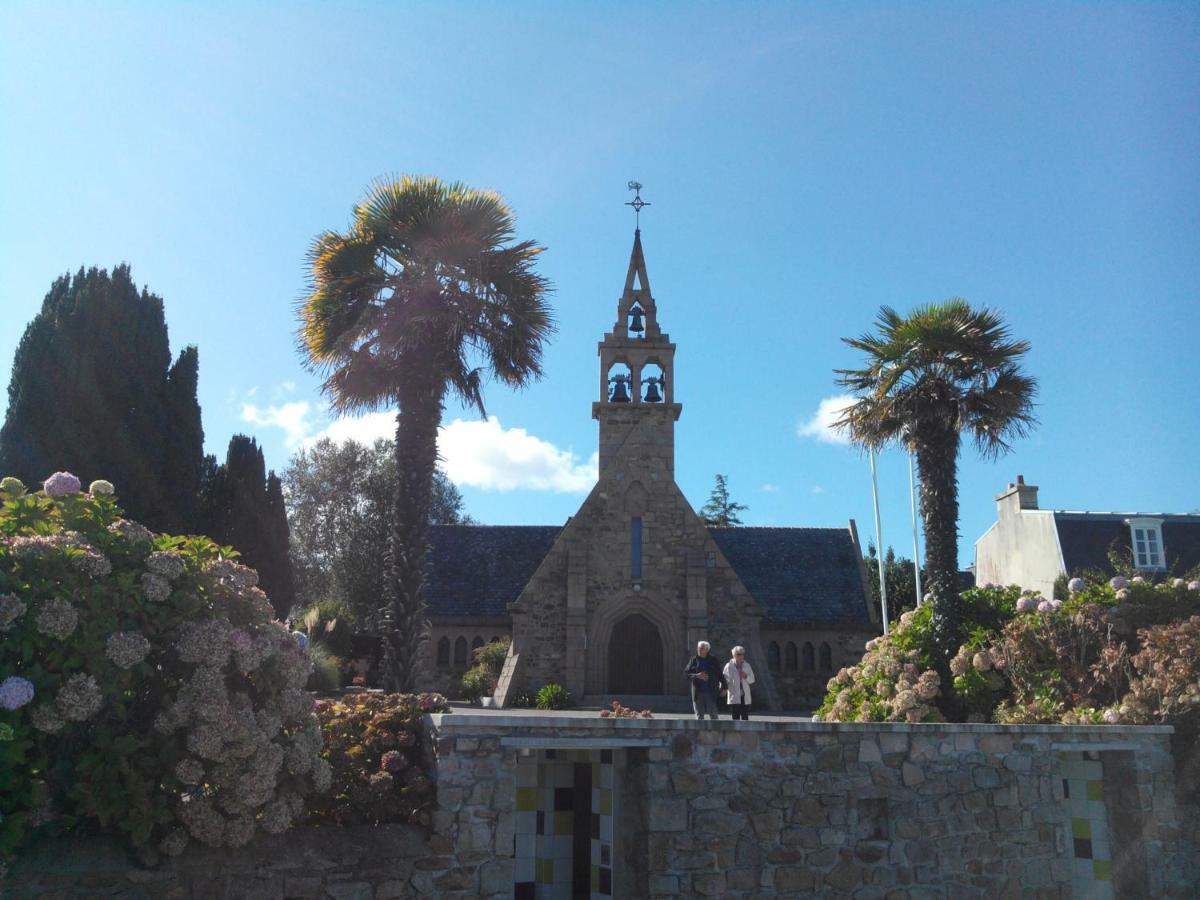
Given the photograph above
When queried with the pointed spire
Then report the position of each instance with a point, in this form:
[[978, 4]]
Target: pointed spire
[[637, 268]]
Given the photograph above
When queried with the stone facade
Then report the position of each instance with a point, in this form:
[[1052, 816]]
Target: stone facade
[[757, 809]]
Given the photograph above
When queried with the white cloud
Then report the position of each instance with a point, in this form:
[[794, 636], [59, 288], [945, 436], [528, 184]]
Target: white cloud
[[770, 488], [361, 429], [292, 418], [482, 454], [487, 455], [820, 425], [817, 489]]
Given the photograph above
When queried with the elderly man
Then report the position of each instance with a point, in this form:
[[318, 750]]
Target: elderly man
[[704, 672]]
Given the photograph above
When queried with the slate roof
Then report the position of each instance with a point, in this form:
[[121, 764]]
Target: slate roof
[[800, 576], [1086, 537], [477, 570]]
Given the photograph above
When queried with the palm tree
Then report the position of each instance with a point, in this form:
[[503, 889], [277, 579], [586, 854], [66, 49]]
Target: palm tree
[[943, 370], [422, 296]]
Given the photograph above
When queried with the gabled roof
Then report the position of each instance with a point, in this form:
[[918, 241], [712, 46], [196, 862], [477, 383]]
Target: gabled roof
[[477, 570], [1086, 537], [800, 576]]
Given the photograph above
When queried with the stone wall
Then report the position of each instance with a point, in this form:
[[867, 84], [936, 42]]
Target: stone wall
[[800, 687], [764, 808], [809, 809]]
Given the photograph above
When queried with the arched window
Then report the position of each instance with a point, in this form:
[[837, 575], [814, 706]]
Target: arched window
[[494, 640], [773, 656], [808, 658], [460, 652], [443, 656], [477, 643], [826, 658], [789, 657]]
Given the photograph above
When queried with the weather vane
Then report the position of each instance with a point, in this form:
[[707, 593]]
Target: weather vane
[[637, 202]]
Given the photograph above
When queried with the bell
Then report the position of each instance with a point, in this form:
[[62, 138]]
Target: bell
[[653, 395], [620, 392], [636, 316]]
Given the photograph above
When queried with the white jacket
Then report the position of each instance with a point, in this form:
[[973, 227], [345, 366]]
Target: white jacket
[[739, 688]]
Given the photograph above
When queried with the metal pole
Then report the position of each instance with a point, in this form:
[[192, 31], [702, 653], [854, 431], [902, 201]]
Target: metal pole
[[912, 491], [879, 543]]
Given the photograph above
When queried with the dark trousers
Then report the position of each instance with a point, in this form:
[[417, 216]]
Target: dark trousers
[[740, 710]]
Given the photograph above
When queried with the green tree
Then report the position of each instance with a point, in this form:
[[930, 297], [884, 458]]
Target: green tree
[[900, 575], [720, 509], [424, 295], [244, 507], [340, 501], [943, 370], [94, 392]]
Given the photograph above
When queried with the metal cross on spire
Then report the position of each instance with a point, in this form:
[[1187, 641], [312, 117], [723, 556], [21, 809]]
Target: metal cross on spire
[[637, 203]]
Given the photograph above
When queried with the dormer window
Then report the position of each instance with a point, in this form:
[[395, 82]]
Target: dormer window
[[1147, 542]]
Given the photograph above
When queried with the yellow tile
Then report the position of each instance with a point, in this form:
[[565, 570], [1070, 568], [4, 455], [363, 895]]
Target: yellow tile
[[1095, 790], [606, 801], [1081, 828], [1102, 869], [526, 799], [564, 822]]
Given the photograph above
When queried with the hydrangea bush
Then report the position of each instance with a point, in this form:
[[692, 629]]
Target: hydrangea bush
[[145, 687], [374, 749], [1091, 658]]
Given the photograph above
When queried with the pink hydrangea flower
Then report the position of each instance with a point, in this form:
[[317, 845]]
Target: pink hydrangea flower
[[392, 761], [1045, 606], [1118, 583], [60, 484], [15, 692], [1112, 717], [1027, 604], [1075, 585]]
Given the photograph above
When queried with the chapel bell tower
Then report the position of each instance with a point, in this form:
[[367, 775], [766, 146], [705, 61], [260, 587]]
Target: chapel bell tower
[[637, 409]]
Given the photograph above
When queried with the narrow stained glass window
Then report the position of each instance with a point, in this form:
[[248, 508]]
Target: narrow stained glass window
[[635, 547]]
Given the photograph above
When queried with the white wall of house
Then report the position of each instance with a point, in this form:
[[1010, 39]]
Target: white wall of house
[[1022, 547]]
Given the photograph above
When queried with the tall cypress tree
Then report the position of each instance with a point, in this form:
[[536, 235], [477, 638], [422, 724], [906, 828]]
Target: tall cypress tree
[[93, 391], [245, 509]]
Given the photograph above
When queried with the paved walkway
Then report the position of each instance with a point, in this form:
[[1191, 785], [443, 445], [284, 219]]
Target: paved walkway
[[594, 712]]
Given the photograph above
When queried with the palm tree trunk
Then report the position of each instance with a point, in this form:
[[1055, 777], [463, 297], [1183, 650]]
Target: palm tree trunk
[[937, 460], [416, 458]]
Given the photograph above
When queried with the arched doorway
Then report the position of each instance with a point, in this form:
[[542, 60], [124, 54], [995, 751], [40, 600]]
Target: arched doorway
[[635, 657]]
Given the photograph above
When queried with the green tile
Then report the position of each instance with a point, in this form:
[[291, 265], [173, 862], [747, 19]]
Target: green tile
[[606, 801], [595, 879], [527, 799], [545, 871], [595, 774], [1095, 789], [1081, 828], [1102, 869], [542, 767]]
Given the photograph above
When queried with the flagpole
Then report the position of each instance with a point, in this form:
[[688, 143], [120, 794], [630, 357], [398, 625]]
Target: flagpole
[[879, 543], [912, 496]]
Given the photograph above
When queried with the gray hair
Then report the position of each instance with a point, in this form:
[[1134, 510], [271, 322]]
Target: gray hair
[[705, 644], [738, 651]]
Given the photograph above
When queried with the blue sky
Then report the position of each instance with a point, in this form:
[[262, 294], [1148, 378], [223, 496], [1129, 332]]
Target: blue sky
[[806, 164]]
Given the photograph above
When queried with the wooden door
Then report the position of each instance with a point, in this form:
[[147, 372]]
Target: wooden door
[[635, 658]]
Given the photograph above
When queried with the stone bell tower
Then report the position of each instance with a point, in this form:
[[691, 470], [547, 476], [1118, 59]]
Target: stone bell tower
[[637, 409]]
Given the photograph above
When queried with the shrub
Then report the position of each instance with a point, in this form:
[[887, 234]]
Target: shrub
[[326, 674], [553, 696], [147, 688], [480, 680], [522, 700], [374, 749], [328, 622], [1073, 659], [477, 683]]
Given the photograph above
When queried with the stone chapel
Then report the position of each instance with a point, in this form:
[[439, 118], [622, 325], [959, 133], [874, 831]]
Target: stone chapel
[[612, 603]]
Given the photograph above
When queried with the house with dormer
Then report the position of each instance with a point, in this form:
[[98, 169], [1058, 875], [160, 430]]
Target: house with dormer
[[1033, 547]]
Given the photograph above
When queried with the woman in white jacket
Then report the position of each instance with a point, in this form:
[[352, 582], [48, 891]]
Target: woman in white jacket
[[739, 676]]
